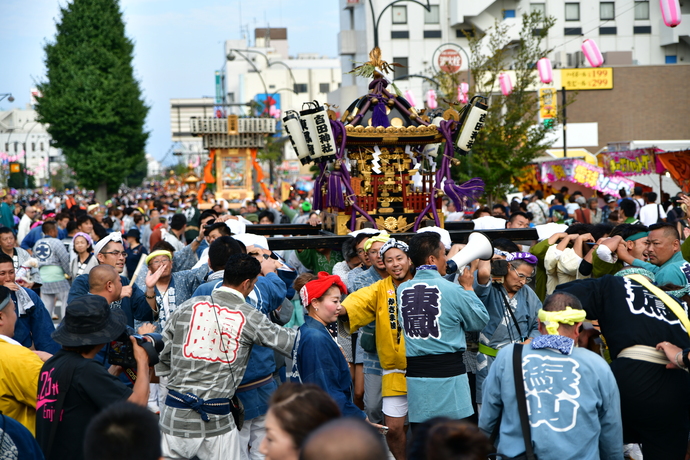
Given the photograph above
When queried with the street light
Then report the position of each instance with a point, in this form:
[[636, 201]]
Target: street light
[[377, 19], [4, 95], [231, 57]]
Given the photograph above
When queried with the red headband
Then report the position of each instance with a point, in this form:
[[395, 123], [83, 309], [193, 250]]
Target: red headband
[[318, 287]]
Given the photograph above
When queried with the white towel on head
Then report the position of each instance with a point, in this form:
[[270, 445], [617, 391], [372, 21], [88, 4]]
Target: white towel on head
[[114, 236]]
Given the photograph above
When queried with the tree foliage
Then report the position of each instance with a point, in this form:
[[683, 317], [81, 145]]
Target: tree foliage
[[511, 137], [91, 100]]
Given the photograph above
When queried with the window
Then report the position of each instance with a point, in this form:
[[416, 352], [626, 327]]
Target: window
[[400, 34], [432, 34], [607, 11], [464, 33], [432, 16], [573, 31], [538, 8], [400, 71], [33, 146], [300, 87], [671, 59], [324, 88], [641, 10], [572, 11], [642, 29], [399, 14], [41, 146], [508, 14], [607, 31]]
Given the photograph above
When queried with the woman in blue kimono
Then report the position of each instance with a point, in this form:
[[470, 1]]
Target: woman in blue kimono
[[317, 357]]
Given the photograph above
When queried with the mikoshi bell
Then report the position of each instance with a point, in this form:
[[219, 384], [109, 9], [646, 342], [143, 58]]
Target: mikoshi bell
[[384, 164]]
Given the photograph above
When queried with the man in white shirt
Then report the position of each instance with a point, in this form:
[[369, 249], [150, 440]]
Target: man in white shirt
[[651, 213], [25, 223]]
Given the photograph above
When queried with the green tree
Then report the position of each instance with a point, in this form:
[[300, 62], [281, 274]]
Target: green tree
[[91, 100], [511, 137], [16, 180], [138, 174]]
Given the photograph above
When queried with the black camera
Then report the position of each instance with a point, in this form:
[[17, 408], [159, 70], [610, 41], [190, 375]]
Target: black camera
[[121, 351], [499, 268]]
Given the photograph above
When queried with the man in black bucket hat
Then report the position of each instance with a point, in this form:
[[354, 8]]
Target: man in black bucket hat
[[73, 387]]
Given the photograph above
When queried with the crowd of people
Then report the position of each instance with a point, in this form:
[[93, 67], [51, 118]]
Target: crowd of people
[[151, 326]]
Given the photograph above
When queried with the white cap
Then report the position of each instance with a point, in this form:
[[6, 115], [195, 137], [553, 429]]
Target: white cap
[[445, 236]]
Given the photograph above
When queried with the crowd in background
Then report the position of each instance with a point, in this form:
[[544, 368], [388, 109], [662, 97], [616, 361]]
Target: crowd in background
[[337, 347]]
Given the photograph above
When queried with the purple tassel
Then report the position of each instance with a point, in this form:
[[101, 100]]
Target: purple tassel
[[379, 117], [464, 193], [334, 192]]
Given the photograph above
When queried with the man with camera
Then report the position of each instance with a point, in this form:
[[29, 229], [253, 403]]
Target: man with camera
[[501, 285], [73, 387]]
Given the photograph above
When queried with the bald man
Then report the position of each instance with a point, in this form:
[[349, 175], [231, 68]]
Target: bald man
[[105, 282], [344, 439]]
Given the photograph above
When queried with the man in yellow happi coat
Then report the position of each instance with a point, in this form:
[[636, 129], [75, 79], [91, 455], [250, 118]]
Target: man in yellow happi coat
[[378, 302]]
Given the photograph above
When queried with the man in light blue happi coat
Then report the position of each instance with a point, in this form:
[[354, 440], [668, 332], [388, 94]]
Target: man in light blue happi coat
[[435, 314]]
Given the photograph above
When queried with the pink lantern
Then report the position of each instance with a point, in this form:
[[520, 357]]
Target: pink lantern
[[592, 53], [463, 89], [545, 72], [505, 83], [670, 10], [431, 99], [410, 98]]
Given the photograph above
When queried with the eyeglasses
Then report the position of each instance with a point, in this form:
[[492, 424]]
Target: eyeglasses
[[522, 277], [116, 253]]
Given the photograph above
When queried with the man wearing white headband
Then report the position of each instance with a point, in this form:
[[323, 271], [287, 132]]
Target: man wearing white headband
[[378, 302], [111, 251], [572, 399]]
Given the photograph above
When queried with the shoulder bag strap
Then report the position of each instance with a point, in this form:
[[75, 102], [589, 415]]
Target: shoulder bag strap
[[65, 383], [667, 299], [512, 315], [522, 401]]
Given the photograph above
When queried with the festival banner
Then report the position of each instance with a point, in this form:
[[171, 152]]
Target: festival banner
[[678, 164], [583, 173], [631, 163]]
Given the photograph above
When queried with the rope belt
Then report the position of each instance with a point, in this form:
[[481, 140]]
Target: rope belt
[[644, 353], [255, 384], [218, 406]]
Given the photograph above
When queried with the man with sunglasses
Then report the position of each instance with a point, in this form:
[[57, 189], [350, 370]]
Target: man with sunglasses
[[512, 305]]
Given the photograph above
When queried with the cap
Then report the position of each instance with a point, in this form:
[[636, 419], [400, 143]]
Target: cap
[[89, 320]]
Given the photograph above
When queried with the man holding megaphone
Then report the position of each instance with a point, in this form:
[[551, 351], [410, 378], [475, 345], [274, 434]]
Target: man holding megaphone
[[501, 285]]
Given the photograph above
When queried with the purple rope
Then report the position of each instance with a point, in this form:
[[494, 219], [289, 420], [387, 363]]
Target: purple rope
[[344, 176]]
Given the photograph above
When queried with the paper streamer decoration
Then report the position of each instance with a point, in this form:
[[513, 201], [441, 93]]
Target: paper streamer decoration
[[376, 166], [592, 53]]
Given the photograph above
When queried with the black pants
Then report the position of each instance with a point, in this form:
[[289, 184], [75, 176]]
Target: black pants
[[655, 407]]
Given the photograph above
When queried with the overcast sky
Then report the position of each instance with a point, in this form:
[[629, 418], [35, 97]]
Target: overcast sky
[[178, 45]]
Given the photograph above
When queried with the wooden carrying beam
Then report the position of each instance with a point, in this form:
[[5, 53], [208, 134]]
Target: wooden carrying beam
[[336, 241]]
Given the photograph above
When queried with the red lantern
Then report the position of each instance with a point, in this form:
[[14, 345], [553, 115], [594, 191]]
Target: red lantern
[[670, 10], [592, 53]]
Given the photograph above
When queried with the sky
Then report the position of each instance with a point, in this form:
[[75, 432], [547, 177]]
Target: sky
[[178, 45]]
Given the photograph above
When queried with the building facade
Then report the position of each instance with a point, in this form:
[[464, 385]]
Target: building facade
[[27, 141]]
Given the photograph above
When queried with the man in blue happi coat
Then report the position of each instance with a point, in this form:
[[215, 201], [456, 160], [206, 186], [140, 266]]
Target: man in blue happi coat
[[435, 314], [573, 403]]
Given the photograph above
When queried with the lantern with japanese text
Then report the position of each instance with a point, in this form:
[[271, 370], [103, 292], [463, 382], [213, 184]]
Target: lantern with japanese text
[[545, 72], [505, 83], [294, 129], [670, 11], [592, 53]]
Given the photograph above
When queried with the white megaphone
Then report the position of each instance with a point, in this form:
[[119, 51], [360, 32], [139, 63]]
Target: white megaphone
[[478, 246]]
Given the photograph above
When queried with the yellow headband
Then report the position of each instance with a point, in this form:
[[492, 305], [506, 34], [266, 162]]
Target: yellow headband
[[380, 238], [160, 252], [552, 319]]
